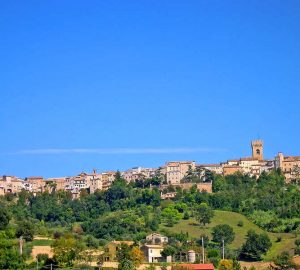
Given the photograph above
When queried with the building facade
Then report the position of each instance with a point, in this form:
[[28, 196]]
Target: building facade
[[289, 165], [176, 170]]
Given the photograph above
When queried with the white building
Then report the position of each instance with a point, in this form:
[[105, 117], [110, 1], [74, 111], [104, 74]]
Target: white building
[[153, 253]]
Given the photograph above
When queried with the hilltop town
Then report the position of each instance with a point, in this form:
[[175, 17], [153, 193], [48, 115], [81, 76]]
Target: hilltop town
[[181, 215], [175, 173]]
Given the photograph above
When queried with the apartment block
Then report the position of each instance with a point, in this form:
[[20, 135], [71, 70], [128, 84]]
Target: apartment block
[[289, 165], [35, 183], [176, 170]]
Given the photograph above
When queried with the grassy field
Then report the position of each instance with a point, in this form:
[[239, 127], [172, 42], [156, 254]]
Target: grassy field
[[42, 242], [232, 219]]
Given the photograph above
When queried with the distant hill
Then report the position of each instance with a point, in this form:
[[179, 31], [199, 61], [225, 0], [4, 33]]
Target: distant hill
[[232, 219]]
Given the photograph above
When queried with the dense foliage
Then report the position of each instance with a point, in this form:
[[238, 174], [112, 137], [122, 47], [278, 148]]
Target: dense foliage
[[131, 211], [255, 246]]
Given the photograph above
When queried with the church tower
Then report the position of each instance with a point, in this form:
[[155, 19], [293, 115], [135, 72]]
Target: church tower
[[257, 149]]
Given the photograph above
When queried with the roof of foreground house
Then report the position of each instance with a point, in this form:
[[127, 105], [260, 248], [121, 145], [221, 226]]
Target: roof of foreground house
[[205, 266]]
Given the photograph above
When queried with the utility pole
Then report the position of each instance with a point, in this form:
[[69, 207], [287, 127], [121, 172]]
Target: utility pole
[[203, 250], [51, 266], [21, 244], [223, 250]]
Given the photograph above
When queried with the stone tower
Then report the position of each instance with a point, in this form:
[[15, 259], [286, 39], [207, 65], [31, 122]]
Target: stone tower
[[257, 149]]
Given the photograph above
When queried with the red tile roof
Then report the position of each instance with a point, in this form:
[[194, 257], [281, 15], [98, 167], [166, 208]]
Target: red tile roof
[[248, 159], [205, 266]]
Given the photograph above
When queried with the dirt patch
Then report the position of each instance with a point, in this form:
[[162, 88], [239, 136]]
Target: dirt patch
[[297, 260], [257, 265], [41, 238], [41, 250]]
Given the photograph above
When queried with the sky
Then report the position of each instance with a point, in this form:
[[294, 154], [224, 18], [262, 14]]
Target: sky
[[117, 84]]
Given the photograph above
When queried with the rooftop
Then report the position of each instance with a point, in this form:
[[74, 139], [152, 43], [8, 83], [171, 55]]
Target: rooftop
[[205, 266]]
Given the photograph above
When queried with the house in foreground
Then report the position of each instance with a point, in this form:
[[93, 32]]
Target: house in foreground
[[186, 266], [153, 253]]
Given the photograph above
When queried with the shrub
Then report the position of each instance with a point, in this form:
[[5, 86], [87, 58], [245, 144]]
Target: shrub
[[213, 253], [42, 257], [240, 223], [215, 261], [278, 239], [186, 216], [57, 235]]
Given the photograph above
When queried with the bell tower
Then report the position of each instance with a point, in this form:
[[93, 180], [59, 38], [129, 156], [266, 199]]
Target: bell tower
[[257, 149]]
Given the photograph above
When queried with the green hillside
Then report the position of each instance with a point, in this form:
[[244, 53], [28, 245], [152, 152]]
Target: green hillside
[[232, 219]]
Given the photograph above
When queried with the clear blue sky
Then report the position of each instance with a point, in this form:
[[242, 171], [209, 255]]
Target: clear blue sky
[[141, 82]]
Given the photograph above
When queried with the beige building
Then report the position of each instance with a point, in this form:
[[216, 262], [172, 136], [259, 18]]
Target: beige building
[[156, 238], [248, 165], [176, 170], [56, 183], [11, 184], [107, 179], [153, 253], [168, 195], [138, 173], [231, 169], [37, 183], [207, 187], [289, 165], [96, 183], [215, 168]]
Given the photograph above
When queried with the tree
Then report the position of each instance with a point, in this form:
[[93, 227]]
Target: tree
[[66, 250], [168, 251], [229, 265], [10, 258], [225, 265], [137, 256], [126, 264], [223, 232], [171, 215], [204, 213], [284, 261], [26, 230], [124, 256], [236, 264], [255, 246], [4, 218]]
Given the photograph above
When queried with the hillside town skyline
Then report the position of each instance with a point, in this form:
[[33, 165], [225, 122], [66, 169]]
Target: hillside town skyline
[[171, 173]]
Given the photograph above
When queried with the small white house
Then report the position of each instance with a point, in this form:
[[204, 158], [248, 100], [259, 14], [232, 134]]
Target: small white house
[[153, 253]]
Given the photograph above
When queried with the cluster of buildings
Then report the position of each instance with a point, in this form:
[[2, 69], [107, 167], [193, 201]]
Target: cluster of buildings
[[172, 173], [152, 249], [89, 181]]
